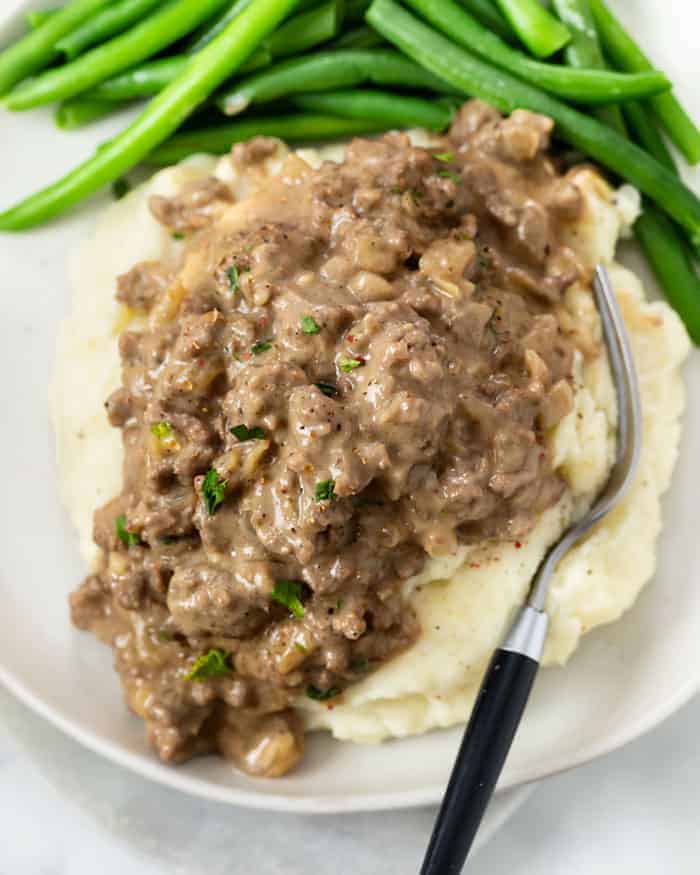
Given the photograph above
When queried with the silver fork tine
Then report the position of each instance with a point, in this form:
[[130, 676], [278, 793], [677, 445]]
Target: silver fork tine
[[629, 434]]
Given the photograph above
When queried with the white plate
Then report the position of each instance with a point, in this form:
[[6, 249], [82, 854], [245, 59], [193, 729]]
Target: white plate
[[625, 679]]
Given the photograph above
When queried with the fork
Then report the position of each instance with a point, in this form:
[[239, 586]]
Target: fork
[[508, 681]]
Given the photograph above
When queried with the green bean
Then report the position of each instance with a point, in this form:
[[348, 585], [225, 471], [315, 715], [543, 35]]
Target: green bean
[[151, 35], [478, 79], [211, 29], [667, 251], [397, 110], [298, 33], [116, 18], [36, 17], [626, 55], [325, 71], [647, 134], [162, 116], [37, 49], [584, 51], [590, 86], [153, 76], [490, 16], [306, 30], [660, 241], [672, 265], [358, 38], [537, 29], [293, 128], [81, 111], [665, 248]]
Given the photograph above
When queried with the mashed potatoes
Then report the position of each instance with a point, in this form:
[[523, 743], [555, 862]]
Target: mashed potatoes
[[464, 602]]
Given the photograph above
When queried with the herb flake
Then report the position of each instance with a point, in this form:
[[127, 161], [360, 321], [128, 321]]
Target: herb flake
[[176, 235], [445, 157], [288, 593], [214, 663], [232, 274], [309, 325], [213, 490], [324, 490], [328, 389], [129, 539], [162, 429], [321, 695], [450, 174], [260, 346], [120, 187], [348, 365], [243, 433]]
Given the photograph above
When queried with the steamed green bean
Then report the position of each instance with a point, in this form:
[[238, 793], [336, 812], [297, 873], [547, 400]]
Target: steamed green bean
[[142, 41], [625, 54], [584, 51], [535, 26], [161, 118], [295, 35], [107, 22], [397, 110], [35, 50], [588, 86], [325, 71]]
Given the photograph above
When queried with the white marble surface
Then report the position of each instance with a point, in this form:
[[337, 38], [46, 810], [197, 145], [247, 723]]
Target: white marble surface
[[65, 811]]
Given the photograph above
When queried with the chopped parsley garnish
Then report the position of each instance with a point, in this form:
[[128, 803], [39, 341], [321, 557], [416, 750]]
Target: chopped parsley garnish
[[232, 274], [324, 490], [415, 194], [129, 539], [309, 325], [214, 663], [162, 429], [243, 433], [176, 235], [321, 695], [347, 365], [120, 187], [167, 540], [213, 489], [445, 157], [165, 635], [260, 346], [288, 593], [328, 389], [450, 174], [300, 647]]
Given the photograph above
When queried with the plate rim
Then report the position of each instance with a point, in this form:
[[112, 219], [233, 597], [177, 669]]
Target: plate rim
[[179, 779], [151, 769]]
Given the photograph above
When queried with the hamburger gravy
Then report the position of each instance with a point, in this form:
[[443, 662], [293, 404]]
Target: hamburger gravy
[[349, 373]]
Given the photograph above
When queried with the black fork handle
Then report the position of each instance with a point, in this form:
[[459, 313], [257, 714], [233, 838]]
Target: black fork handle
[[489, 734]]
